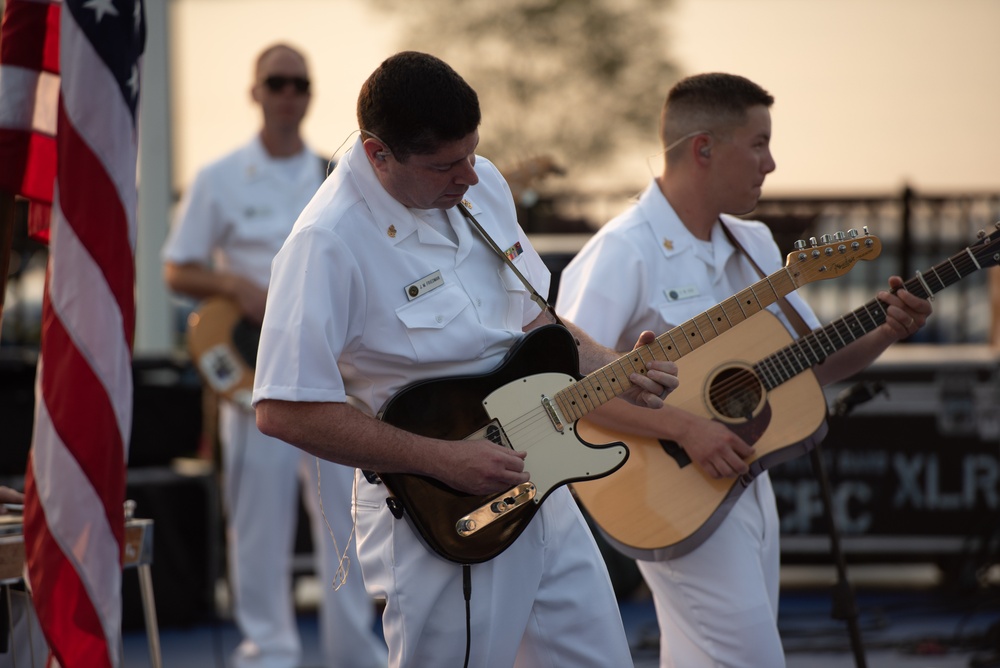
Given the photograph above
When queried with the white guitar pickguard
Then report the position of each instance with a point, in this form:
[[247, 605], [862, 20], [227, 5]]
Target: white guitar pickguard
[[554, 457]]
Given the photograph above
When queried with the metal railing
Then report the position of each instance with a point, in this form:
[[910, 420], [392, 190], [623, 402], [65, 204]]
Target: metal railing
[[917, 231]]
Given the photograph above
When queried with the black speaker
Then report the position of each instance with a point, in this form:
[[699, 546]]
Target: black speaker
[[166, 413], [166, 410], [17, 407]]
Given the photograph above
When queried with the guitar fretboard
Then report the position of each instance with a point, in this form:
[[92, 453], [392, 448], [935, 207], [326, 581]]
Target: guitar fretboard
[[819, 262], [815, 347], [611, 380]]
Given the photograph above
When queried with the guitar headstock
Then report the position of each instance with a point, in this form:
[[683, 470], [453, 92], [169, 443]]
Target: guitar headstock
[[832, 256], [525, 175], [987, 249]]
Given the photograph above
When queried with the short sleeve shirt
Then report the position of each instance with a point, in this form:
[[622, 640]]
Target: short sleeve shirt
[[365, 298]]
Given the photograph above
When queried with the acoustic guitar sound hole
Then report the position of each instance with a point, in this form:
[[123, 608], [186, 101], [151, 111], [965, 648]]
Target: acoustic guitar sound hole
[[735, 393]]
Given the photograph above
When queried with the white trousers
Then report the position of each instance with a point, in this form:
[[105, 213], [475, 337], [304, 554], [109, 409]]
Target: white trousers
[[545, 601], [717, 606], [262, 477], [26, 644]]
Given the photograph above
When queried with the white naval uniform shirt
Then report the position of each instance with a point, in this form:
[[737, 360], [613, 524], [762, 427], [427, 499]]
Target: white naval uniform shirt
[[645, 270], [339, 305], [240, 208]]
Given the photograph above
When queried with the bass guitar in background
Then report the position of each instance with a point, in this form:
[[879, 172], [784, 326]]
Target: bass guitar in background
[[660, 504], [533, 400]]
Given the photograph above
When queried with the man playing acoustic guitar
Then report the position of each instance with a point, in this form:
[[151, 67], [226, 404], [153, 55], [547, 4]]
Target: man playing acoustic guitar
[[383, 282], [717, 605]]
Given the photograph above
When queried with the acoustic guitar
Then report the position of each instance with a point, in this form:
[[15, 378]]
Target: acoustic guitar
[[533, 400], [660, 505], [223, 346]]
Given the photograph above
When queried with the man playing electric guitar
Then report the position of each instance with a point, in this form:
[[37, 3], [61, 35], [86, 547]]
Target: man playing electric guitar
[[717, 605], [383, 282]]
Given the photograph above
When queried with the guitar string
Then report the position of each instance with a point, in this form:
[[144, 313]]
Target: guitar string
[[524, 424], [611, 377], [787, 357], [790, 357], [785, 363]]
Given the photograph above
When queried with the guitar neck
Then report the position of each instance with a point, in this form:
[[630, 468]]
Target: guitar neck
[[612, 380], [816, 346]]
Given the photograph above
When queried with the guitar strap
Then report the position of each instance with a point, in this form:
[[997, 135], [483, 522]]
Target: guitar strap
[[371, 476], [535, 297], [793, 316]]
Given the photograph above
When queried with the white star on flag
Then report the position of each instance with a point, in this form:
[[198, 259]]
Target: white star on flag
[[101, 7]]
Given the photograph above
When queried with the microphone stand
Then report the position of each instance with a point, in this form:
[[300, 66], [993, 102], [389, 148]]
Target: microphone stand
[[845, 605]]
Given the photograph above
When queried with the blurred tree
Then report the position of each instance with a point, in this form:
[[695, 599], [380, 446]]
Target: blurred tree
[[574, 79]]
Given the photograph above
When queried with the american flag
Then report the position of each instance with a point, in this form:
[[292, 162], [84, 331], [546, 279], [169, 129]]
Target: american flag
[[29, 92], [75, 483]]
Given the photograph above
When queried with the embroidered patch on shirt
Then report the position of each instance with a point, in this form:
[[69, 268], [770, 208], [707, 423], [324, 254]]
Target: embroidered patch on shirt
[[677, 294], [514, 251], [424, 285]]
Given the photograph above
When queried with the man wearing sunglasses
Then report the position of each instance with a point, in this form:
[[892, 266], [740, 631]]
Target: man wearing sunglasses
[[231, 223]]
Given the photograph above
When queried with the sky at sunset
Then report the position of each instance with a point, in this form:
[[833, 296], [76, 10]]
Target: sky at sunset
[[870, 94]]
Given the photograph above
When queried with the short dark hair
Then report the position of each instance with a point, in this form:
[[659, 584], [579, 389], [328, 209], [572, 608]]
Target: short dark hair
[[258, 67], [707, 102], [414, 102]]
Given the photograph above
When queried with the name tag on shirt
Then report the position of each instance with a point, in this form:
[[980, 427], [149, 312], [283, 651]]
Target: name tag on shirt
[[424, 285], [677, 294]]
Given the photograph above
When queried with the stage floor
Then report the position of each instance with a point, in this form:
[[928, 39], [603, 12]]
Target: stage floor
[[906, 620]]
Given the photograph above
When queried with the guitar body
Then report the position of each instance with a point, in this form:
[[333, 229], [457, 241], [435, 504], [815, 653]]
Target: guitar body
[[660, 504], [503, 405], [541, 414], [216, 335]]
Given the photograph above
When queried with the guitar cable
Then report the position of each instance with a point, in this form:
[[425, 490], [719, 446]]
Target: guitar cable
[[467, 591]]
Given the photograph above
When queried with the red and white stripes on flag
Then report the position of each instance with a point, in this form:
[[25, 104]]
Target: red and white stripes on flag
[[29, 92], [75, 483]]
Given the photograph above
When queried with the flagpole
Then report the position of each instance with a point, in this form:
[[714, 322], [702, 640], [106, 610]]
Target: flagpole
[[6, 243]]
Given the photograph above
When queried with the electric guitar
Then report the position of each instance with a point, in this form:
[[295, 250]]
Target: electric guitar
[[533, 399], [660, 505], [223, 346]]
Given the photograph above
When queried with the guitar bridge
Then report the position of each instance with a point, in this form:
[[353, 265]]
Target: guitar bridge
[[498, 507]]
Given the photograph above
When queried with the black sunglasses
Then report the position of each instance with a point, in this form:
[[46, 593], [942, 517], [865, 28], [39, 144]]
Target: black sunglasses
[[277, 83]]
